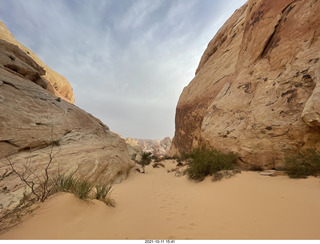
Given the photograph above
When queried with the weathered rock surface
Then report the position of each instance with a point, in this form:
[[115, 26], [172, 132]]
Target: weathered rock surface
[[57, 84], [35, 123], [256, 91], [158, 148]]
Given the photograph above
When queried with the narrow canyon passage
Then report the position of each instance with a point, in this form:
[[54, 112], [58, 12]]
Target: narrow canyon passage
[[158, 205]]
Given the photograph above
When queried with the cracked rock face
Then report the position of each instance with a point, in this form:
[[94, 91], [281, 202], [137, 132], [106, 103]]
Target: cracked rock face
[[256, 90], [35, 123]]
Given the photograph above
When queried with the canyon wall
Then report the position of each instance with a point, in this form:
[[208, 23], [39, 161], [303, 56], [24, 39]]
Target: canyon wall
[[256, 91], [37, 125]]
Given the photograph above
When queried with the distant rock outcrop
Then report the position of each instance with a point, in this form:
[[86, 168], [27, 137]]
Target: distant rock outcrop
[[35, 124], [55, 83], [256, 91], [158, 148]]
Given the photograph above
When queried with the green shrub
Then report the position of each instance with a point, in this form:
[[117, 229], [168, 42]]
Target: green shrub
[[204, 162], [303, 164]]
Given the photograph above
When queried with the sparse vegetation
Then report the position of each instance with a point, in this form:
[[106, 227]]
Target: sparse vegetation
[[82, 188], [303, 164], [204, 162], [42, 187]]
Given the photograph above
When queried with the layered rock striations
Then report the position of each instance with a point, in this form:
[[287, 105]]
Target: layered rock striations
[[256, 91], [35, 125]]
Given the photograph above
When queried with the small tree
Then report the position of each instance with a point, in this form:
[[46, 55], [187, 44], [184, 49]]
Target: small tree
[[145, 160]]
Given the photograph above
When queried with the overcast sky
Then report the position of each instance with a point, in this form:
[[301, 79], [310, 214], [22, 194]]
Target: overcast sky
[[127, 60]]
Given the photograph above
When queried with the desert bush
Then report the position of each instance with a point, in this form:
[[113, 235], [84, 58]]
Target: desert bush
[[204, 162], [303, 164], [145, 160], [36, 177]]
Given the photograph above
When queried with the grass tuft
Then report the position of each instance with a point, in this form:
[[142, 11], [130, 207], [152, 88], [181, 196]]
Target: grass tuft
[[82, 188], [102, 192], [102, 195], [64, 183]]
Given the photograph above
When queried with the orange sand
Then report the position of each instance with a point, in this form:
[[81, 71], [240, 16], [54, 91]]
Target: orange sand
[[158, 205]]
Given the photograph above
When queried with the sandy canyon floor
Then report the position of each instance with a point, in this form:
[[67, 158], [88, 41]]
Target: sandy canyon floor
[[158, 205]]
